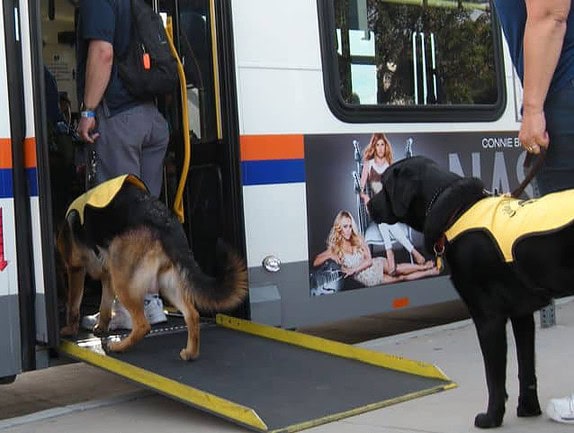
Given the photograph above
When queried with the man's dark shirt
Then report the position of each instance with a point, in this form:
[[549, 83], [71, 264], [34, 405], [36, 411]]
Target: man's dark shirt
[[110, 21]]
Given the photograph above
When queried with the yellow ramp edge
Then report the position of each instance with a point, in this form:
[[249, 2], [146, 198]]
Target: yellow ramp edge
[[379, 359], [210, 402], [362, 409]]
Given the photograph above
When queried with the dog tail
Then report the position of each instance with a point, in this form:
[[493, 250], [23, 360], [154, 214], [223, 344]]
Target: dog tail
[[226, 289]]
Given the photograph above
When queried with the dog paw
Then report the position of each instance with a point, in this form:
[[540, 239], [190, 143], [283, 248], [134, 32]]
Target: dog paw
[[528, 408], [68, 331], [485, 420], [109, 346], [188, 355], [116, 346], [113, 345]]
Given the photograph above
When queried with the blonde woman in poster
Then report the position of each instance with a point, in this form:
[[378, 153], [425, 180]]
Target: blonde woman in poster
[[347, 247], [377, 157]]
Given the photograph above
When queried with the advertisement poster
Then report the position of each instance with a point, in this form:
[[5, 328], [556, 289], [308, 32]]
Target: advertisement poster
[[343, 172]]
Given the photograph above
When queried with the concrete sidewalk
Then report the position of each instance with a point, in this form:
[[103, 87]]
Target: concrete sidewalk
[[453, 347]]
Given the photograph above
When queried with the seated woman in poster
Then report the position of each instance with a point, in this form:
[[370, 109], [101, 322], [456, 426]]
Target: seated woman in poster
[[348, 249]]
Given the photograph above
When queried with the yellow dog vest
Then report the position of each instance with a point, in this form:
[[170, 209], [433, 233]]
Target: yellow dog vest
[[101, 195], [508, 219]]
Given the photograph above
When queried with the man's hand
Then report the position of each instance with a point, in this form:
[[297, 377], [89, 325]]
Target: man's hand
[[98, 72], [86, 128]]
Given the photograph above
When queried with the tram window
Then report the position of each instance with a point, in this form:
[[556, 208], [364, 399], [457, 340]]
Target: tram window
[[418, 59], [196, 55]]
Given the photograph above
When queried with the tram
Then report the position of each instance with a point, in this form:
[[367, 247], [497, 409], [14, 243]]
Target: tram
[[268, 138]]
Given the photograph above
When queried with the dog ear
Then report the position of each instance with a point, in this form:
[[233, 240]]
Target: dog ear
[[65, 234], [391, 204], [402, 186], [380, 208]]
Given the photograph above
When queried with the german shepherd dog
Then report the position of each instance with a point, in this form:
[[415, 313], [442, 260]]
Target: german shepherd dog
[[419, 193], [135, 245]]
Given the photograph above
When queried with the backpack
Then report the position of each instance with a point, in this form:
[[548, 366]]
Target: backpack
[[148, 69]]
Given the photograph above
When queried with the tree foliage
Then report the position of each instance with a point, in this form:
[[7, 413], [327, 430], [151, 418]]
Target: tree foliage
[[464, 51]]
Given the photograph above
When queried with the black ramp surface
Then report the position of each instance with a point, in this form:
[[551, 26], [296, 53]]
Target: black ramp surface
[[284, 384]]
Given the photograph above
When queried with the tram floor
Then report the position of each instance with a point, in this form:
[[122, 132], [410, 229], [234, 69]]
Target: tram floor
[[73, 383]]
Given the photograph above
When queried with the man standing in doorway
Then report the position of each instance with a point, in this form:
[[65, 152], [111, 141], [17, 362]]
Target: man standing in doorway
[[123, 134]]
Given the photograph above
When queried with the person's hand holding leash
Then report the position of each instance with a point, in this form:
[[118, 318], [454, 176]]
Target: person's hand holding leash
[[86, 128], [533, 134]]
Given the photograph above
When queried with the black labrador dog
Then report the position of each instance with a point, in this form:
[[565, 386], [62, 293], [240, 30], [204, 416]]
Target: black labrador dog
[[417, 192]]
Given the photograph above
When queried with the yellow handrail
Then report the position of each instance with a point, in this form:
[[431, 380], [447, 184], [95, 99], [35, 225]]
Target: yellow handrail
[[178, 200]]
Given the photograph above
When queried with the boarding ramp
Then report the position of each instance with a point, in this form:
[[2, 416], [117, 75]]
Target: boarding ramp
[[264, 378]]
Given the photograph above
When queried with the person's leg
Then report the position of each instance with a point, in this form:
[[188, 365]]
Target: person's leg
[[154, 149], [421, 274], [388, 243], [118, 148], [557, 174], [116, 153], [409, 271], [400, 235], [409, 268], [153, 130]]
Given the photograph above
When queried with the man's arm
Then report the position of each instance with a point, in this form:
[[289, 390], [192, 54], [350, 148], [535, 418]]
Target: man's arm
[[98, 72], [543, 40]]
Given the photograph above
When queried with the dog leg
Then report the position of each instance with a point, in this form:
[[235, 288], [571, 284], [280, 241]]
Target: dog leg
[[140, 325], [524, 333], [76, 276], [175, 290], [191, 316], [106, 300], [492, 338]]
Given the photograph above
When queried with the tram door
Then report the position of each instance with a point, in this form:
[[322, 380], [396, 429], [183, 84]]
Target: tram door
[[196, 167], [10, 361], [213, 206]]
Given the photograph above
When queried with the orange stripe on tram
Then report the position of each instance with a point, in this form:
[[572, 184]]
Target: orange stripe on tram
[[5, 153], [271, 147], [30, 160], [6, 161]]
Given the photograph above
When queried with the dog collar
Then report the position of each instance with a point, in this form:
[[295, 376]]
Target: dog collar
[[433, 200]]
